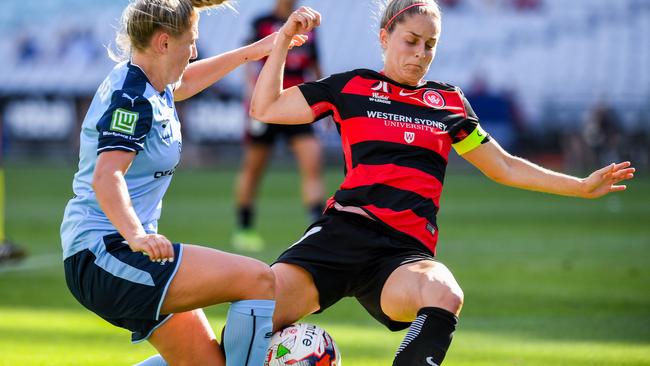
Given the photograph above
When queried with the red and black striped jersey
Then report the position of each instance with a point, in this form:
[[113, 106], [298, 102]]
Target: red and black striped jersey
[[396, 140], [299, 59]]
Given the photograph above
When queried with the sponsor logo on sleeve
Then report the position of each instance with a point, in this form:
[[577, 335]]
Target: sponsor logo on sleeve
[[380, 88], [124, 121], [407, 93], [132, 99], [433, 99]]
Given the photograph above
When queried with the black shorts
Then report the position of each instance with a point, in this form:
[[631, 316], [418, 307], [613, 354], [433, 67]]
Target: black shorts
[[266, 134], [123, 287], [350, 255]]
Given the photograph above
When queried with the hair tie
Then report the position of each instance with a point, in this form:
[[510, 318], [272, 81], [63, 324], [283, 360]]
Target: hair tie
[[401, 11]]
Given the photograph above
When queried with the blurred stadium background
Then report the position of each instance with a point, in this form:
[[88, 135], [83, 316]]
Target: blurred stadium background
[[568, 80], [548, 280]]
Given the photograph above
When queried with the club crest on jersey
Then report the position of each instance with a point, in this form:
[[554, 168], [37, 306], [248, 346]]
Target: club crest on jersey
[[409, 137], [433, 99], [124, 121]]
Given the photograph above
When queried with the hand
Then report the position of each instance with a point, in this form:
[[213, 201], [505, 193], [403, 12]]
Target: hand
[[263, 47], [157, 247], [604, 180], [301, 21]]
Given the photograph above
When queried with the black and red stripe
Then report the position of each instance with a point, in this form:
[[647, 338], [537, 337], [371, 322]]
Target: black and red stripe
[[396, 141]]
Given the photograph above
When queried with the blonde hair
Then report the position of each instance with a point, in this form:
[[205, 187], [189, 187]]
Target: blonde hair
[[393, 11], [142, 18]]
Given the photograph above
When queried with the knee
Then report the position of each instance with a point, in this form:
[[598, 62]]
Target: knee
[[446, 297], [261, 281], [444, 292], [453, 299]]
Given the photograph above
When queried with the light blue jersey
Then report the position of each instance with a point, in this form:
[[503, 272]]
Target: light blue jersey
[[126, 114]]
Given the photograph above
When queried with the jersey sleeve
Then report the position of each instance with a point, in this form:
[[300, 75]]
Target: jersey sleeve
[[466, 132], [125, 124], [321, 95]]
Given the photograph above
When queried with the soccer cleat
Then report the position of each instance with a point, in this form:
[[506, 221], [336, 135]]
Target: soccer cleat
[[10, 252], [247, 240]]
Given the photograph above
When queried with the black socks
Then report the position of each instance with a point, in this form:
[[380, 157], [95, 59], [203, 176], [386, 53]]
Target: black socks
[[428, 338]]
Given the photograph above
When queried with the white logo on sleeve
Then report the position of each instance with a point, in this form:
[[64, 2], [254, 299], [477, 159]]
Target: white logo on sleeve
[[131, 99], [430, 362]]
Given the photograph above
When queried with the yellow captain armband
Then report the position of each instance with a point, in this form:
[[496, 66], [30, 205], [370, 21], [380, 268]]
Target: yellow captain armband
[[472, 141]]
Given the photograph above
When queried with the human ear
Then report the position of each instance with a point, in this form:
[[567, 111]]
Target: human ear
[[383, 38], [160, 42]]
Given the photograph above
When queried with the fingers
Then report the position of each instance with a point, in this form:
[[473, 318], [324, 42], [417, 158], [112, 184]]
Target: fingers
[[298, 40], [623, 174], [619, 172], [604, 171], [617, 188], [622, 165], [157, 247], [307, 17]]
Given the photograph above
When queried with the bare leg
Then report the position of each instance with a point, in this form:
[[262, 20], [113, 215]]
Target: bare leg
[[416, 285], [307, 151], [256, 158], [187, 339], [208, 276], [426, 294], [296, 294], [205, 277]]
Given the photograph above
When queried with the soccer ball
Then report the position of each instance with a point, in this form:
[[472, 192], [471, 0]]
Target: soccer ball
[[302, 344]]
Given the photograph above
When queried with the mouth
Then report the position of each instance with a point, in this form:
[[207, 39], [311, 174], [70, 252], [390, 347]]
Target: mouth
[[414, 66]]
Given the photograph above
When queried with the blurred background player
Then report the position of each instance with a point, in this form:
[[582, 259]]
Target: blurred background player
[[302, 65], [377, 239]]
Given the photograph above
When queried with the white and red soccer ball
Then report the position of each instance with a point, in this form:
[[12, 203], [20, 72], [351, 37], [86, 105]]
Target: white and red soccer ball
[[302, 344]]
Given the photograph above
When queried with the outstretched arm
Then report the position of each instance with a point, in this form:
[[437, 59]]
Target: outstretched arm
[[270, 103], [203, 73], [500, 166]]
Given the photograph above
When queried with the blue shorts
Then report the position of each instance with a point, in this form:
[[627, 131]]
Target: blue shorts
[[123, 287]]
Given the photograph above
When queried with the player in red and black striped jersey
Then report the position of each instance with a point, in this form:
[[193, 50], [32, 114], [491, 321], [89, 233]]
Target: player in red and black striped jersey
[[377, 238], [302, 65]]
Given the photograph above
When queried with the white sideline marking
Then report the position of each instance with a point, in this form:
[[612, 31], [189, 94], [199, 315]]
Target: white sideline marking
[[32, 263]]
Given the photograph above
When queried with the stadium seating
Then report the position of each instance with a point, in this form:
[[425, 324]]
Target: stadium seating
[[566, 54]]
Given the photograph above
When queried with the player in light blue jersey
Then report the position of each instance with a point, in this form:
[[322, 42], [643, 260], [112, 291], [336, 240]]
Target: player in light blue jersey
[[116, 263]]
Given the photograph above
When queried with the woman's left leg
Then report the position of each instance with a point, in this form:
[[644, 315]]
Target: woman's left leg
[[187, 339], [205, 277], [426, 294], [307, 150]]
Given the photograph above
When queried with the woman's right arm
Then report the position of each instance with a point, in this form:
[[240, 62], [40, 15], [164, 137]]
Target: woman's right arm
[[113, 197], [270, 103]]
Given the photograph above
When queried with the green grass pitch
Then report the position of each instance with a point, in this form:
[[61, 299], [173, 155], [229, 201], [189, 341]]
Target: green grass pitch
[[547, 280]]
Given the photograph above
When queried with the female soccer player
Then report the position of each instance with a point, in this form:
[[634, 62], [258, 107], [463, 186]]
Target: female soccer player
[[378, 236], [116, 264]]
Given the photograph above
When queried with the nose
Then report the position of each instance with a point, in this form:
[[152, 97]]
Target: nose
[[419, 52], [195, 53]]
